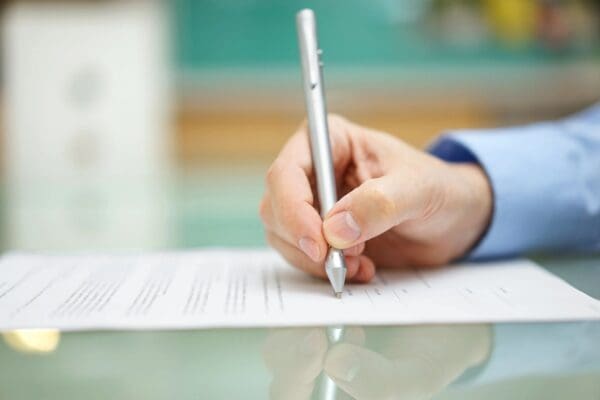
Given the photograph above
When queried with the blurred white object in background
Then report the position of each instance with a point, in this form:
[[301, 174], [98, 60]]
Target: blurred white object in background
[[87, 124]]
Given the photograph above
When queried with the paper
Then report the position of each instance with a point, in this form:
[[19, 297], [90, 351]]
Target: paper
[[256, 288]]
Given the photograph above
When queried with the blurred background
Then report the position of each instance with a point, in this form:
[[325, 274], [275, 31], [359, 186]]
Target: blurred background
[[147, 124]]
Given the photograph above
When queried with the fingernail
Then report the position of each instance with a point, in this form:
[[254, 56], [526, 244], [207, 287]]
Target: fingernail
[[310, 248], [341, 229], [344, 366]]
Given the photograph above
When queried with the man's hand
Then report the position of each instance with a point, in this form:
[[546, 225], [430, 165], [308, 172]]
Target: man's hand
[[399, 206]]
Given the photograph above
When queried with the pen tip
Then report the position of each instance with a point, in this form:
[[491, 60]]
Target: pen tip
[[338, 295]]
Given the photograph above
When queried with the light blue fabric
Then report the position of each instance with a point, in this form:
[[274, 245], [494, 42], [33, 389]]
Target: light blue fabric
[[546, 183]]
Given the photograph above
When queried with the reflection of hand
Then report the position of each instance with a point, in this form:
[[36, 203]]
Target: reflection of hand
[[405, 205], [404, 362], [295, 359]]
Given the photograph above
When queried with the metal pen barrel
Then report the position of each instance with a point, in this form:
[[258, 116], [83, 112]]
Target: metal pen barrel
[[316, 110]]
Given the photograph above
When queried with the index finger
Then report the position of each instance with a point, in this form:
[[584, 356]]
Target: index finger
[[297, 149], [291, 212], [291, 201]]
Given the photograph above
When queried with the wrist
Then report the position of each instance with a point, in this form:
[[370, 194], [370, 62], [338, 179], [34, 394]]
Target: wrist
[[478, 202]]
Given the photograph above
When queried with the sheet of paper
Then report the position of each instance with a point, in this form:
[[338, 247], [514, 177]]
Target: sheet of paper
[[252, 288]]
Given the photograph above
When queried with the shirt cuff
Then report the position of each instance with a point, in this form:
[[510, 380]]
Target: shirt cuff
[[517, 162]]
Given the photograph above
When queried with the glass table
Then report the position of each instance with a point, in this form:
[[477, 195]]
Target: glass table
[[516, 361]]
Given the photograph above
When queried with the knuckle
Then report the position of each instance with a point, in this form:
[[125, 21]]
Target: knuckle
[[273, 174], [336, 121], [380, 199], [263, 209]]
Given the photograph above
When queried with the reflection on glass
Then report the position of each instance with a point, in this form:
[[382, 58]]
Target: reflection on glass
[[33, 340], [412, 362]]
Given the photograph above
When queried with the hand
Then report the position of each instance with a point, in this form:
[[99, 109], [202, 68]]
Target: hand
[[412, 362], [399, 206], [295, 356]]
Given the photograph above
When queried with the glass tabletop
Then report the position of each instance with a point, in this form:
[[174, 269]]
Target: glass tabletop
[[528, 361]]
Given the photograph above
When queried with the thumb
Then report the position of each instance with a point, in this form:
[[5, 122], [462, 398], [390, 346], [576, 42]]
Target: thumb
[[369, 210]]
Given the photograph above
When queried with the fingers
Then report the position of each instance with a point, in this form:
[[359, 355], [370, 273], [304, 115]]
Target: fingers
[[288, 207], [288, 210], [365, 272], [297, 150], [355, 250], [367, 211], [295, 353], [362, 373], [449, 349], [298, 258], [415, 362], [359, 267], [295, 358]]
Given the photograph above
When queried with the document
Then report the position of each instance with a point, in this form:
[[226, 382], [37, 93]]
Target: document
[[256, 288]]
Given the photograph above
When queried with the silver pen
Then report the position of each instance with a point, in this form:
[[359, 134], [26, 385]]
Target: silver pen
[[320, 147]]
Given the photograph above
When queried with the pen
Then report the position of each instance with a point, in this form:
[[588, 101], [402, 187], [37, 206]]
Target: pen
[[320, 147]]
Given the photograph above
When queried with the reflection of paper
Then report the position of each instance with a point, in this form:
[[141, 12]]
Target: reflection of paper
[[217, 288]]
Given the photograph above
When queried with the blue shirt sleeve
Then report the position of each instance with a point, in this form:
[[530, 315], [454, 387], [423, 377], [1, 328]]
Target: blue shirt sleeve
[[545, 179]]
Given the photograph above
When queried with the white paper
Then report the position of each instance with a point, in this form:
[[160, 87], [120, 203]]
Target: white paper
[[256, 288]]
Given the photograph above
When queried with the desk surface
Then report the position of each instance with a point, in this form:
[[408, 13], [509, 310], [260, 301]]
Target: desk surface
[[516, 361]]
